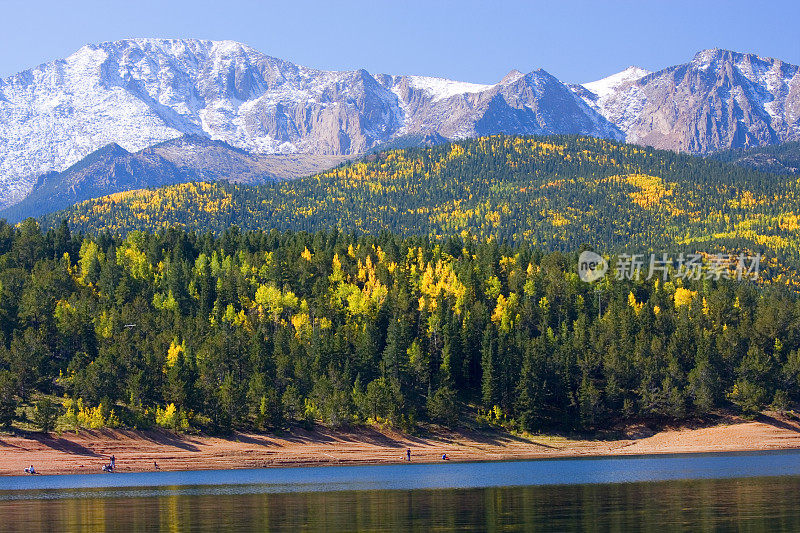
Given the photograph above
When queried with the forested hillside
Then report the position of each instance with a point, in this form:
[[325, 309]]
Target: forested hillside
[[556, 193], [265, 329], [781, 158]]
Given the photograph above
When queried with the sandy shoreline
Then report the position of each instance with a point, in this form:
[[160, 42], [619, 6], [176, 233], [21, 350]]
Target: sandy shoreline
[[136, 451]]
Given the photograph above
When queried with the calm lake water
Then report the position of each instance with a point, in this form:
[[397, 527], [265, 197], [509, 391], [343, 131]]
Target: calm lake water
[[754, 491]]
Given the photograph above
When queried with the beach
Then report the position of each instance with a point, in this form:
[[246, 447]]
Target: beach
[[140, 451]]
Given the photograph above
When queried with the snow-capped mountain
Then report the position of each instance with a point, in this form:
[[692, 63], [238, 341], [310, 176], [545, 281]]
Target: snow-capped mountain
[[140, 92], [719, 100]]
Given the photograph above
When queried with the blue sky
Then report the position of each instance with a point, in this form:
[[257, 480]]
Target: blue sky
[[476, 41]]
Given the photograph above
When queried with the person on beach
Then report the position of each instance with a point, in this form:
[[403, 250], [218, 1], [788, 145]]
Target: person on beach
[[408, 455], [444, 457], [155, 464], [30, 470], [113, 462]]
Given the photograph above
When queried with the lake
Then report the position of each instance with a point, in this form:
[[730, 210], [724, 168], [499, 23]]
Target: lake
[[753, 491]]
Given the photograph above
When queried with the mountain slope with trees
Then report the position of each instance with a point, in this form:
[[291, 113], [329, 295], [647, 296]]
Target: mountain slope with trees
[[557, 193], [780, 158]]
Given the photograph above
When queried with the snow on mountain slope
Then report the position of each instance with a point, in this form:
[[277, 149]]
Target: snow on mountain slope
[[140, 92], [607, 85], [441, 89]]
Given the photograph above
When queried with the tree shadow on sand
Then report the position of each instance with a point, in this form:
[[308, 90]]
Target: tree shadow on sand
[[375, 437], [488, 437], [4, 444], [61, 444], [778, 423], [156, 436], [257, 440], [166, 438], [323, 435], [318, 435]]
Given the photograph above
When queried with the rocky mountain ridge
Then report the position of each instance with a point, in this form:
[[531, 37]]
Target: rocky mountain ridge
[[719, 100]]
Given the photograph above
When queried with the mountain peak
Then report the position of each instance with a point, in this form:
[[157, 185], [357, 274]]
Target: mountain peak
[[512, 76], [704, 58]]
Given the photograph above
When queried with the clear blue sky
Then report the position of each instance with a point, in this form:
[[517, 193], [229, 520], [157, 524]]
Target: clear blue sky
[[469, 40]]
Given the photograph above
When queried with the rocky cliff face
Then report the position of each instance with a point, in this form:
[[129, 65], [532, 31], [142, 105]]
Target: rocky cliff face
[[719, 100]]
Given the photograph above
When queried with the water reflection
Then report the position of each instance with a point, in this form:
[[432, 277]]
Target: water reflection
[[753, 504]]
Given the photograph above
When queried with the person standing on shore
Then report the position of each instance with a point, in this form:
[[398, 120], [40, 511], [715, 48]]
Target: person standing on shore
[[113, 462], [408, 455]]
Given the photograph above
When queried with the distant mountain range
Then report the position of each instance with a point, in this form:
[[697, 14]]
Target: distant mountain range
[[135, 94], [113, 169]]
